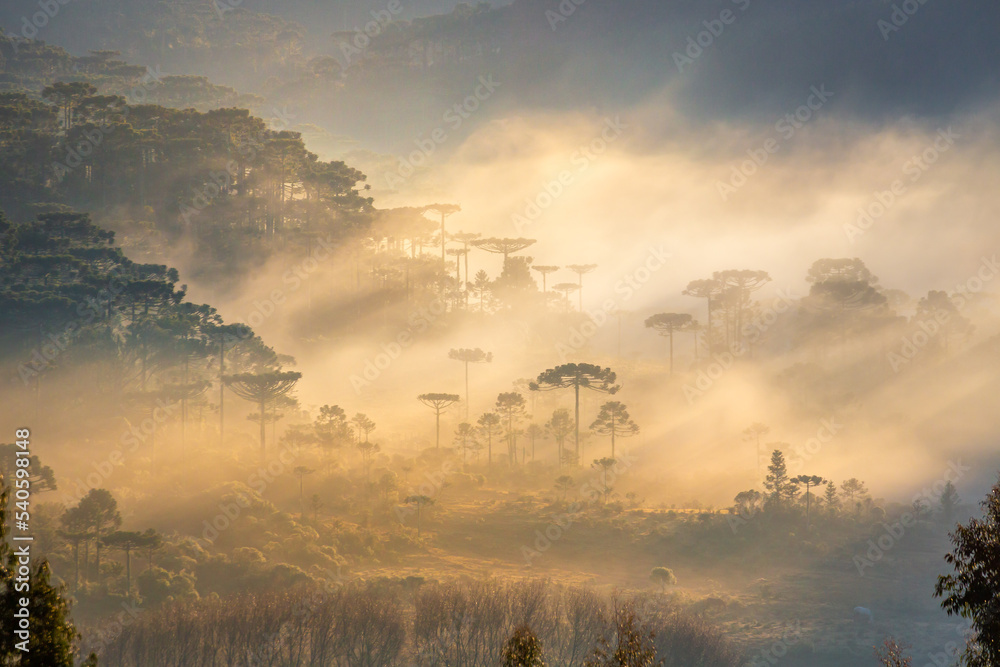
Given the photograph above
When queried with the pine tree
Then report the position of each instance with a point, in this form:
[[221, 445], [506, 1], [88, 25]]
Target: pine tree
[[52, 634], [777, 484], [523, 649], [831, 498], [854, 492], [631, 644], [949, 502], [99, 510]]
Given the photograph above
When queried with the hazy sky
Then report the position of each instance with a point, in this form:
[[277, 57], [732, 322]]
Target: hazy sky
[[725, 134]]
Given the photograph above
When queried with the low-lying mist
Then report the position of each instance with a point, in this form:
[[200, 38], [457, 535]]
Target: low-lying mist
[[656, 201]]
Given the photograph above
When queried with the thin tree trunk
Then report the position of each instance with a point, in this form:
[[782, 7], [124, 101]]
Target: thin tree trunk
[[612, 436], [97, 556], [671, 351], [263, 427], [442, 239], [710, 347], [576, 443], [222, 391]]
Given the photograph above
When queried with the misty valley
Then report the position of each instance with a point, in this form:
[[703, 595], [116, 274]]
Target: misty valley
[[516, 333]]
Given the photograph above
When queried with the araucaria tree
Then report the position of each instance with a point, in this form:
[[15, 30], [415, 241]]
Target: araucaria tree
[[742, 283], [475, 356], [439, 403], [614, 420], [710, 290], [444, 210], [566, 288], [580, 270], [809, 481], [465, 238], [666, 324], [577, 376], [262, 389], [505, 247], [510, 406], [545, 271], [127, 542]]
